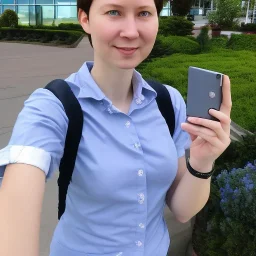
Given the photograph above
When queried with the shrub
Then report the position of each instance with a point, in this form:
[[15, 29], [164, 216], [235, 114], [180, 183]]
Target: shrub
[[9, 18], [242, 42], [237, 154], [70, 26], [229, 221], [249, 27], [165, 46], [226, 14], [217, 43], [203, 38], [240, 66], [175, 26], [40, 35]]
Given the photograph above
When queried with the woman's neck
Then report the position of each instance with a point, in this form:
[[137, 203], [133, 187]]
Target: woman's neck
[[116, 84]]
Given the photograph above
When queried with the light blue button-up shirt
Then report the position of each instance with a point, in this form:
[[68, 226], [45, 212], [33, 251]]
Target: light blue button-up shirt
[[125, 165]]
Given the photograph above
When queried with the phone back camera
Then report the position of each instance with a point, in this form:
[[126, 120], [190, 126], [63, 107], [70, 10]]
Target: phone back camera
[[218, 76]]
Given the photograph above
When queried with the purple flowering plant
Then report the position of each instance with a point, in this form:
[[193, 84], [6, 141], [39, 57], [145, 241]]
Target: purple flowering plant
[[232, 228]]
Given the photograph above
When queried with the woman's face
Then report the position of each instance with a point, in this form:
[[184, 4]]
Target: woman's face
[[115, 24]]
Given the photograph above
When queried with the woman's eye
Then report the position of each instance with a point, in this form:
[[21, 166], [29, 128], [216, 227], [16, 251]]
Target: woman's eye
[[113, 12], [145, 14]]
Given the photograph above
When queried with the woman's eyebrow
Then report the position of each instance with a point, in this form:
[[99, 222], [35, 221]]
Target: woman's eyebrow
[[122, 7]]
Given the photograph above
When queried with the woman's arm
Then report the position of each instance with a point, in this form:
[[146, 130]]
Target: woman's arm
[[21, 197], [188, 194]]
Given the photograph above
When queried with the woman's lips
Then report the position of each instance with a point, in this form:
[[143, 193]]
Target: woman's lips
[[126, 50]]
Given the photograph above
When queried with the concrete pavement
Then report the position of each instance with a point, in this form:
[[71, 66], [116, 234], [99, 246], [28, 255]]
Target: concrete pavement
[[24, 68]]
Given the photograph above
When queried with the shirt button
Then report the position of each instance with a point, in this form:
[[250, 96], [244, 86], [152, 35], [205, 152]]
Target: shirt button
[[140, 172], [137, 145], [110, 111], [119, 254], [141, 198], [138, 243], [141, 225], [127, 124], [138, 101]]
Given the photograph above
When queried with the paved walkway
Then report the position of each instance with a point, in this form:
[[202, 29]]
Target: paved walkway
[[24, 68]]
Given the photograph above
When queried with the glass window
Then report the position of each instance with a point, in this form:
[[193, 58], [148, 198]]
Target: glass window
[[43, 2], [165, 12], [11, 7], [47, 14], [7, 1], [63, 2], [32, 15], [22, 1], [23, 13], [66, 12]]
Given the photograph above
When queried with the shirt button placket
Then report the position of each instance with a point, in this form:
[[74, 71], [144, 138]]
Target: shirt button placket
[[141, 226]]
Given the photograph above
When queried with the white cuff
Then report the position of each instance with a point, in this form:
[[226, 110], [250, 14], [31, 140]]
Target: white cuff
[[25, 155]]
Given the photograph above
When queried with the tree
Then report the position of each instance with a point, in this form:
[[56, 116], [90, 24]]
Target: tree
[[9, 18], [226, 14], [181, 7]]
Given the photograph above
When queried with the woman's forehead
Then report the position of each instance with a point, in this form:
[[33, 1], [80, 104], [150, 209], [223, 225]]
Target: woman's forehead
[[136, 3]]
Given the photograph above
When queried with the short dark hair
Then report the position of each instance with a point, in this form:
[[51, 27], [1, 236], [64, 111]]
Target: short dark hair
[[85, 5]]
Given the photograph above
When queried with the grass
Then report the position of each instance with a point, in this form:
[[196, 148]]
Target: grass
[[240, 66]]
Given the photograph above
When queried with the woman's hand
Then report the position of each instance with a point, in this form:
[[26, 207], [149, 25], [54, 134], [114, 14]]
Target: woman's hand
[[210, 138]]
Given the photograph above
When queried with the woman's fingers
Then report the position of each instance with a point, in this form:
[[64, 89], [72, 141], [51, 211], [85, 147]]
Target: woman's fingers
[[215, 128], [226, 104], [204, 133], [223, 118]]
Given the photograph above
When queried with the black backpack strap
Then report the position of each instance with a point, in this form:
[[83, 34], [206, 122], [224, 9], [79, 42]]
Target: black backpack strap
[[164, 103], [75, 115]]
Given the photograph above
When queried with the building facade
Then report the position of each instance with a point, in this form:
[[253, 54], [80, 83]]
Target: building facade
[[33, 12]]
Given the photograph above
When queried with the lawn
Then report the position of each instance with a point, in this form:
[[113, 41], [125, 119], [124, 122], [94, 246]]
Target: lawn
[[240, 66]]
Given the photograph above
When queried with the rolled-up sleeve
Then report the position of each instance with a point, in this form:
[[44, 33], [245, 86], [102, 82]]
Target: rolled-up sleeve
[[180, 137], [39, 133]]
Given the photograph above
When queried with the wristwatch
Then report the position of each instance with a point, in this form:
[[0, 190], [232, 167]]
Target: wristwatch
[[197, 174]]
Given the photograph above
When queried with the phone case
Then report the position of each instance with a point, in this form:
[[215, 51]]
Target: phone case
[[204, 92]]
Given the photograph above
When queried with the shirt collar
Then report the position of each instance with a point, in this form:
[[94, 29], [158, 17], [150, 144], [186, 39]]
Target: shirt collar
[[89, 88]]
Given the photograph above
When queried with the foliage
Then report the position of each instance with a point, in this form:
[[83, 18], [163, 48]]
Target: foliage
[[237, 154], [226, 14], [181, 7], [175, 26], [165, 46], [61, 26], [203, 38], [56, 37], [249, 27], [242, 42], [9, 18], [217, 43], [240, 66], [229, 223]]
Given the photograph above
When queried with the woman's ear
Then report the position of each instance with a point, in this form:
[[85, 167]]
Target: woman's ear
[[84, 21]]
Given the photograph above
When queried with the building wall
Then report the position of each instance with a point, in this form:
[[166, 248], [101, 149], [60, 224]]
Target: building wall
[[46, 11]]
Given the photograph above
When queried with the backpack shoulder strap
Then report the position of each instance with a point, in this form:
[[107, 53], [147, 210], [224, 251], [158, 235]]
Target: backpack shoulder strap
[[164, 103], [73, 110]]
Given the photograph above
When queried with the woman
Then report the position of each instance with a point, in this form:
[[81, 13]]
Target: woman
[[128, 167]]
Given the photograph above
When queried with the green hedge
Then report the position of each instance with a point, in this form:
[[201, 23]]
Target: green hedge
[[242, 42], [240, 66], [61, 26], [165, 46], [217, 43], [175, 26], [248, 27], [40, 35]]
